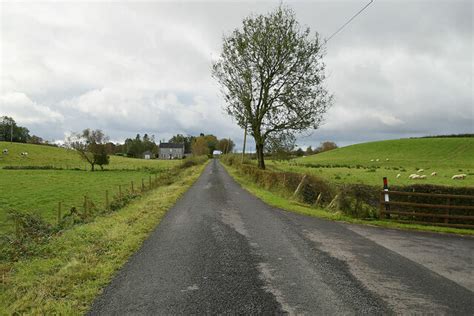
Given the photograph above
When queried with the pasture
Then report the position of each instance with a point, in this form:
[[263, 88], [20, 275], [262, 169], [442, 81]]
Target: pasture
[[39, 191], [39, 155], [358, 163]]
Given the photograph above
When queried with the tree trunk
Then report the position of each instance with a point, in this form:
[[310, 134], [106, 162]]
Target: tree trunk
[[92, 167], [261, 161]]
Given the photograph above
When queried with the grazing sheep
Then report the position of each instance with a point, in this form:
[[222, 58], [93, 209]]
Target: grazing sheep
[[420, 170], [458, 177], [417, 176], [371, 160], [377, 159], [24, 154], [5, 151], [433, 174], [387, 159], [398, 176]]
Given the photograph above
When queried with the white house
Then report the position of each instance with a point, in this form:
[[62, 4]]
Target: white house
[[171, 151]]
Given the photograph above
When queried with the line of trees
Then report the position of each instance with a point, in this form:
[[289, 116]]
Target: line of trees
[[207, 144], [11, 131], [284, 147]]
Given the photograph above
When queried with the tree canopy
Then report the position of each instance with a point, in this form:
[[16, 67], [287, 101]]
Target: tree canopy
[[204, 145], [90, 145], [20, 134], [181, 139], [271, 74]]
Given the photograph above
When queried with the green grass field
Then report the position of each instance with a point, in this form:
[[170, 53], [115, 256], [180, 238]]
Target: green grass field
[[358, 163], [66, 274], [68, 159], [39, 191]]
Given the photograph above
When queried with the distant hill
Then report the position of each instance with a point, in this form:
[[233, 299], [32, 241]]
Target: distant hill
[[454, 152], [40, 155]]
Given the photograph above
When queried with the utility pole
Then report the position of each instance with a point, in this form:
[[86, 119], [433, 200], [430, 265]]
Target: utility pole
[[245, 141], [11, 131]]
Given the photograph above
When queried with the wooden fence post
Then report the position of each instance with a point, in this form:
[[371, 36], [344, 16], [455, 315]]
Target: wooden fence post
[[106, 199], [85, 204], [382, 207], [318, 199], [59, 212], [143, 185], [298, 189]]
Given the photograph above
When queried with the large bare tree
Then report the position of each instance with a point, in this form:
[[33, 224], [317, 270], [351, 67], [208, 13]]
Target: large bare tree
[[271, 73]]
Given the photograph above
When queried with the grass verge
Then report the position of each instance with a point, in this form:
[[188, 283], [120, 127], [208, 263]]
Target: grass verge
[[73, 268], [276, 200]]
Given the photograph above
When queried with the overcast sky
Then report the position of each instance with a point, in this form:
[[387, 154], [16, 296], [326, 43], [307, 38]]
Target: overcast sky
[[400, 69]]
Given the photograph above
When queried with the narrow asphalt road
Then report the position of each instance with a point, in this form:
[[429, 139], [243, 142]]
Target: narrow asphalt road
[[221, 250]]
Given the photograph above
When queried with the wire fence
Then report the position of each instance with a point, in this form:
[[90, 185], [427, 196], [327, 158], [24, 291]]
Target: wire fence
[[86, 204]]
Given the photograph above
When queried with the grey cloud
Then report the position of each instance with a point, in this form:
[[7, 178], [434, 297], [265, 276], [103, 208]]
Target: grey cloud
[[401, 69]]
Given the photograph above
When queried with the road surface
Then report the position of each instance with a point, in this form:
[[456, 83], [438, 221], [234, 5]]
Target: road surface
[[222, 250]]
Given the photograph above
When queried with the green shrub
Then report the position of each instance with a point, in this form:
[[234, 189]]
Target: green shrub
[[30, 231], [192, 161]]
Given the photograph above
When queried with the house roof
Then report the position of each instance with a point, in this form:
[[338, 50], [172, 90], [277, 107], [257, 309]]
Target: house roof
[[171, 145]]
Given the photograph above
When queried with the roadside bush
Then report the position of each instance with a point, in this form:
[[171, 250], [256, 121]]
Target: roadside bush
[[360, 201], [30, 231], [29, 226], [234, 159], [120, 201], [192, 161], [287, 183]]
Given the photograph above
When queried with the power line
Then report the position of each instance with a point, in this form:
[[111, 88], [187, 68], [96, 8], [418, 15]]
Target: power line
[[349, 21]]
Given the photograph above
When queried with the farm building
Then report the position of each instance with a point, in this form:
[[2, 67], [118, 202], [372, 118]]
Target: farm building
[[147, 154], [171, 151]]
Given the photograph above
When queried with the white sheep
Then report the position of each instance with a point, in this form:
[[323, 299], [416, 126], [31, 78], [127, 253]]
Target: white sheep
[[417, 176], [24, 154], [387, 159], [433, 173], [420, 170], [377, 159], [5, 151], [398, 176], [371, 160], [458, 176]]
